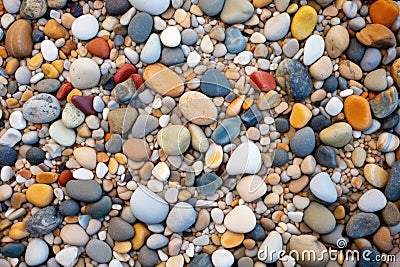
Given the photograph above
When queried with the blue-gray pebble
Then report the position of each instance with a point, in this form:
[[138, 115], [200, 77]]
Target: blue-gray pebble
[[209, 183], [44, 221], [282, 125], [385, 103], [331, 84], [13, 250], [326, 156], [234, 40], [251, 117], [369, 258], [392, 190], [84, 190], [362, 224], [99, 251], [140, 27], [120, 230], [214, 83], [148, 257], [99, 209], [201, 260], [319, 123], [228, 130], [281, 157], [172, 56], [257, 234], [8, 156], [355, 51], [390, 121], [293, 76], [302, 142], [35, 155], [69, 207], [371, 59], [117, 7], [211, 7], [189, 37]]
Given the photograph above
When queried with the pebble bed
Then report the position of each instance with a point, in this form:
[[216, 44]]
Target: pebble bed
[[198, 132]]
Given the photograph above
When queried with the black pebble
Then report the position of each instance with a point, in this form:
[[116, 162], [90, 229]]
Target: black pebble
[[8, 156], [35, 156], [319, 123]]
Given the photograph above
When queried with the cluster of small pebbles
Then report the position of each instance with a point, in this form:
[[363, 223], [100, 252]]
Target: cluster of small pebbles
[[198, 132]]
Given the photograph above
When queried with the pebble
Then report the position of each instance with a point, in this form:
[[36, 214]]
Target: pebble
[[371, 201], [85, 27], [337, 40], [62, 135], [228, 130], [143, 200], [337, 135], [273, 242], [174, 139], [84, 73], [362, 224], [392, 192], [222, 258], [181, 217], [371, 59], [74, 235], [36, 252], [302, 142], [48, 85], [17, 120], [355, 51], [322, 69], [117, 7], [263, 81], [323, 223], [376, 35], [38, 10], [375, 175], [140, 27], [120, 230], [153, 7], [385, 103], [322, 187], [294, 77], [172, 84], [281, 157], [251, 188], [350, 70], [190, 103], [49, 50], [41, 108], [69, 207], [210, 7], [389, 9], [236, 11], [71, 116], [246, 158], [8, 156], [376, 80], [277, 27], [13, 250], [44, 221], [391, 214], [313, 49], [387, 142], [99, 209], [19, 41], [240, 220], [303, 22], [12, 6], [172, 56], [208, 183], [214, 84], [67, 256], [300, 116], [358, 113], [39, 195], [170, 36], [84, 190], [234, 41]]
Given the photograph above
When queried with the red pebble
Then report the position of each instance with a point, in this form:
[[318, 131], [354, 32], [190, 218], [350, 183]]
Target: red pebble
[[263, 81], [137, 81], [99, 47], [64, 90], [124, 72], [65, 177], [84, 103]]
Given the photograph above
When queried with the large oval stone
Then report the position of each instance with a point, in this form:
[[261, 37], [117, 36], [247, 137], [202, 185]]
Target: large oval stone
[[19, 41]]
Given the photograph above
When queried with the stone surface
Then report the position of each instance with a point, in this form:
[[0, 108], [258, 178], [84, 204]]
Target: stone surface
[[240, 220], [371, 201], [357, 112], [153, 7], [323, 188], [277, 27], [85, 27], [236, 11], [392, 190], [84, 73], [140, 27], [323, 223], [303, 22], [362, 224], [181, 217], [214, 83], [44, 221], [376, 35], [36, 252], [337, 40], [336, 135], [197, 108], [384, 12], [302, 142], [33, 9], [384, 103], [251, 188], [163, 80], [246, 158], [84, 190], [41, 108]]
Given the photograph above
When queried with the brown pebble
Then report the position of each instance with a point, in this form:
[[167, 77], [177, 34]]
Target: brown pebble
[[296, 186], [376, 35], [17, 199], [55, 30], [46, 177], [382, 239], [19, 41]]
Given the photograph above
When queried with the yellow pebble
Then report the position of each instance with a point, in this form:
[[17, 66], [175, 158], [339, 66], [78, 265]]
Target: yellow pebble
[[46, 177], [26, 95], [18, 231], [3, 52], [12, 103], [72, 93], [112, 166], [61, 55], [74, 54], [12, 66], [121, 158], [49, 71], [247, 103], [304, 22], [339, 212], [122, 247], [35, 62], [58, 64], [39, 195], [234, 107], [300, 116], [141, 235], [230, 239]]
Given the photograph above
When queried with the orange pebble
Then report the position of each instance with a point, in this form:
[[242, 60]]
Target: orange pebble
[[384, 12], [283, 145]]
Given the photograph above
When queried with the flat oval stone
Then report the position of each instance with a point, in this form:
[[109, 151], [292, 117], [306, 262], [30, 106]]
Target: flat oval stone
[[136, 149], [33, 9], [234, 40], [44, 221], [304, 22], [69, 207], [214, 83], [74, 234], [197, 108], [357, 112], [41, 108], [326, 156], [371, 59], [208, 183], [251, 187], [273, 242], [240, 220], [8, 156], [181, 217], [117, 7], [85, 27], [153, 7], [151, 51], [350, 70], [300, 116], [337, 135], [246, 158], [71, 116], [385, 103], [236, 11], [392, 190], [362, 224], [13, 250], [84, 73], [98, 251], [19, 41], [263, 81], [147, 206], [61, 134], [228, 130], [323, 223], [84, 190], [120, 230], [277, 27], [292, 76], [371, 201], [337, 40], [323, 188], [313, 49], [163, 80], [36, 252], [99, 209], [384, 12], [376, 80], [387, 142], [211, 7], [355, 50], [302, 142], [376, 35], [48, 85], [174, 139]]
